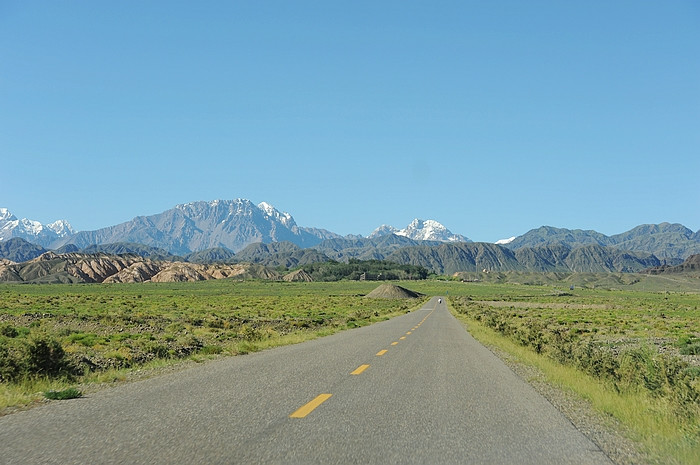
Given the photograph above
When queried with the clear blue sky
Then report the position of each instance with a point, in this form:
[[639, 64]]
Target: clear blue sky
[[491, 117]]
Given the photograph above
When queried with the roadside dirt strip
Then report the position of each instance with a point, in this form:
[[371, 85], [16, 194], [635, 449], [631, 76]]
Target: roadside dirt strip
[[415, 389]]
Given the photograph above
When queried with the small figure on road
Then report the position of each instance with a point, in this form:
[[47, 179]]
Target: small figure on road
[[439, 301]]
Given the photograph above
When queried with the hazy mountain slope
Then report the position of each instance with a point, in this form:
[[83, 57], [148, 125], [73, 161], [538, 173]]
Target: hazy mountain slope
[[213, 255], [365, 248], [383, 230], [595, 259], [665, 240], [19, 250], [254, 253], [549, 257], [451, 258], [548, 235], [277, 254], [321, 234], [199, 226], [167, 230], [121, 248], [294, 259], [68, 248]]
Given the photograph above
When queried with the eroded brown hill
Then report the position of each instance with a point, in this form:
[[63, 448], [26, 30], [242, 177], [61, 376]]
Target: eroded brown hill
[[104, 268]]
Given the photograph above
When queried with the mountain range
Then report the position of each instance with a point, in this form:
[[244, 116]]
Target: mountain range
[[32, 231], [665, 240], [235, 231], [198, 226]]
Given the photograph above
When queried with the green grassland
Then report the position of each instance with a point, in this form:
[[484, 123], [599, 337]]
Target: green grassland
[[632, 341], [63, 334]]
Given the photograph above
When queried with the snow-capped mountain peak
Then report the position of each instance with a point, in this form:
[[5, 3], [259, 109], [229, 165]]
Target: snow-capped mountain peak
[[421, 230], [283, 217], [425, 230], [6, 215], [30, 226], [383, 230], [505, 241], [31, 230], [61, 227]]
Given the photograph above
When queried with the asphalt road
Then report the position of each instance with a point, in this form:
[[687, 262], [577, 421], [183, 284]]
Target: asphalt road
[[415, 389]]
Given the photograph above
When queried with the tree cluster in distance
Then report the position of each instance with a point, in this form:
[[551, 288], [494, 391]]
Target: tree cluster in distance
[[370, 270]]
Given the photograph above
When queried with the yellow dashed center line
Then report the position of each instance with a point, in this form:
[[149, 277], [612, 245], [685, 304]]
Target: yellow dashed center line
[[321, 398], [359, 369], [308, 408]]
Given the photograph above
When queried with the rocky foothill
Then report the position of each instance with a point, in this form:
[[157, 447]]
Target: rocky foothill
[[103, 268]]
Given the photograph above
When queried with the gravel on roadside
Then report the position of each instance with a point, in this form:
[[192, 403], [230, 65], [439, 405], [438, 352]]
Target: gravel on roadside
[[606, 432]]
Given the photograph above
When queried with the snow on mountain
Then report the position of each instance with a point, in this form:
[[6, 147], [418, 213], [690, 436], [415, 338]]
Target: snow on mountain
[[505, 241], [383, 230], [30, 227], [61, 227], [421, 230], [5, 215], [283, 217], [31, 230], [196, 226]]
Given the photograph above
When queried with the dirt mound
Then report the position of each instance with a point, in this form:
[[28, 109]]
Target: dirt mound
[[298, 276], [391, 291]]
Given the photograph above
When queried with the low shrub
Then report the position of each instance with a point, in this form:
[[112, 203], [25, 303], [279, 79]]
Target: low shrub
[[157, 350], [211, 350], [45, 357], [689, 345], [10, 362], [631, 369], [8, 331], [86, 339], [597, 361], [70, 393]]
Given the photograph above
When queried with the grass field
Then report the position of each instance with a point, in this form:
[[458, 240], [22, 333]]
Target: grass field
[[633, 341], [55, 335]]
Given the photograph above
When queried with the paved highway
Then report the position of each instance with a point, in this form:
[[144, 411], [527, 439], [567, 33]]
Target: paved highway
[[415, 389]]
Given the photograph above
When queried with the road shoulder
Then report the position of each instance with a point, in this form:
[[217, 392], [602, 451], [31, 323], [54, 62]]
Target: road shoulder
[[605, 431]]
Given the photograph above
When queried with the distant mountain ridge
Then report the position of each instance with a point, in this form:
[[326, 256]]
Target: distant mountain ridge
[[137, 262], [19, 250], [236, 231], [198, 226], [666, 241], [486, 257]]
